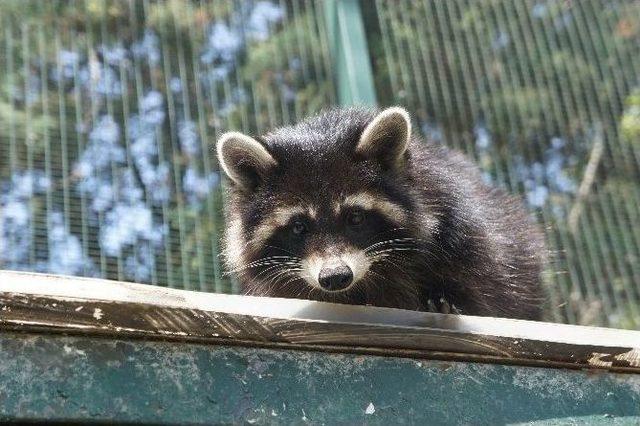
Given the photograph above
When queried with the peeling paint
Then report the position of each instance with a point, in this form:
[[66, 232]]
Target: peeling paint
[[71, 350], [173, 333], [629, 358], [556, 387], [370, 409]]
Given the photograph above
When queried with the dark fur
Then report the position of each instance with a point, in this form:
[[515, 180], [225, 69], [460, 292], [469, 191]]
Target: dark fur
[[485, 256]]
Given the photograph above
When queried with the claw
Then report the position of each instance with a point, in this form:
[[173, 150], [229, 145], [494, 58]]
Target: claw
[[445, 308], [455, 310], [431, 307]]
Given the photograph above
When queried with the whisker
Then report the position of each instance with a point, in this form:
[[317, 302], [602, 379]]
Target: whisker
[[262, 260], [394, 241]]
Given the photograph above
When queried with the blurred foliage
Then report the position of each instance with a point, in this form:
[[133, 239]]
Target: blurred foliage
[[216, 64], [630, 123], [508, 62], [183, 16]]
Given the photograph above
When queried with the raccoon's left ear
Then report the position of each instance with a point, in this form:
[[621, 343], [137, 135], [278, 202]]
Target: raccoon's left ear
[[245, 160], [385, 139]]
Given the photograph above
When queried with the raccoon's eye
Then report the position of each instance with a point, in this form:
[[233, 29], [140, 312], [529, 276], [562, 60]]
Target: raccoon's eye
[[356, 217], [298, 227]]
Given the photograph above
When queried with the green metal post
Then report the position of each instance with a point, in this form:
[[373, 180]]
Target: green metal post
[[348, 44]]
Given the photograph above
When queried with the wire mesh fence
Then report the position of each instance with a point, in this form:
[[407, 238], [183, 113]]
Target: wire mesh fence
[[544, 96], [108, 115], [109, 111]]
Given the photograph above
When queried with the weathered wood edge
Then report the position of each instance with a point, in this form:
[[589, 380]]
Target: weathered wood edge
[[35, 303]]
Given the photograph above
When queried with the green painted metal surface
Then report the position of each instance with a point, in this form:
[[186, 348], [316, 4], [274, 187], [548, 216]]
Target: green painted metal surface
[[79, 378], [348, 46]]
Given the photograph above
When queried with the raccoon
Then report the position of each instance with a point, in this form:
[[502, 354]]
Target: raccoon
[[349, 206]]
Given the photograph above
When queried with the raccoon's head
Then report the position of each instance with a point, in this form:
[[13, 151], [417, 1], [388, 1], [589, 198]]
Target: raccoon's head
[[322, 209]]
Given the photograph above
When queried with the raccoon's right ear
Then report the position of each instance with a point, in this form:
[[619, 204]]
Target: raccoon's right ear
[[245, 160], [385, 139]]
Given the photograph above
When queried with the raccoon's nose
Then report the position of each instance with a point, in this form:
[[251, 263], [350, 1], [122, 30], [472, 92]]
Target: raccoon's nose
[[335, 276]]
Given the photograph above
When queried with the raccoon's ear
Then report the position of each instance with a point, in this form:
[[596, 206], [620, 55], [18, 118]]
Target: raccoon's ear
[[385, 139], [245, 160]]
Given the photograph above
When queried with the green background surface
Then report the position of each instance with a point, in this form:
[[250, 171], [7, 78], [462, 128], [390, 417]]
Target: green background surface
[[60, 378]]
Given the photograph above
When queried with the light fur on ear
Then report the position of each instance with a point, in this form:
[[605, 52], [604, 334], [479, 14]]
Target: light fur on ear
[[244, 159], [386, 137]]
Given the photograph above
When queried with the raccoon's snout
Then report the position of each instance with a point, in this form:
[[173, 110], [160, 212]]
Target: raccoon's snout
[[335, 276], [335, 273]]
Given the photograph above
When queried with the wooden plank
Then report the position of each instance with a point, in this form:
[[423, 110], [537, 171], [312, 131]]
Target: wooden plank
[[45, 303]]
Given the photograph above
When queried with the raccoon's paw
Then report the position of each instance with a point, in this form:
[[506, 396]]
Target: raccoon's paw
[[444, 308]]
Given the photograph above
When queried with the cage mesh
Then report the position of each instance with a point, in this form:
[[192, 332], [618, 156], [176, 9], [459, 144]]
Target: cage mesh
[[109, 111], [108, 115], [544, 96]]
